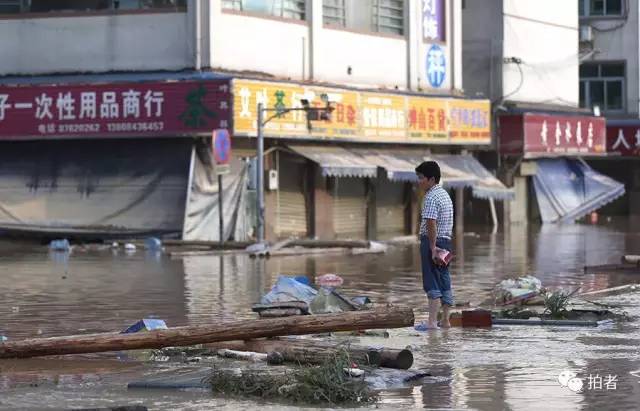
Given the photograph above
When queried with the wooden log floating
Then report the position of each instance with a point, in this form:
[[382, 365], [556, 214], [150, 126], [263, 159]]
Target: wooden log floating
[[330, 243], [631, 259], [303, 352], [572, 323], [317, 352], [243, 355], [388, 317]]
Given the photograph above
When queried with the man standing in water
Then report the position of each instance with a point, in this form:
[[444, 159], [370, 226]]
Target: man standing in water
[[436, 226]]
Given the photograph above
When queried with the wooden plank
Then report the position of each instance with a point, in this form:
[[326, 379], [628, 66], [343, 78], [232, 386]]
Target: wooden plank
[[388, 317]]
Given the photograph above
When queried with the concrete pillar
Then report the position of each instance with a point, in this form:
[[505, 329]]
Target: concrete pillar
[[409, 211], [270, 202], [518, 208], [634, 196], [459, 213], [212, 35], [314, 10], [414, 41], [372, 205], [322, 208], [455, 43]]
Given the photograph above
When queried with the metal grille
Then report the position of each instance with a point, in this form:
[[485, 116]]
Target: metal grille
[[388, 16], [292, 9], [334, 13], [390, 209], [350, 208]]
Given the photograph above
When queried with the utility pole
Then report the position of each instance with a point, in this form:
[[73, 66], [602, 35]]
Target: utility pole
[[260, 175], [313, 113]]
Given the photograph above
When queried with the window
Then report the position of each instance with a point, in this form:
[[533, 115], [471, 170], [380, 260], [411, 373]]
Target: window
[[381, 16], [595, 8], [292, 9], [46, 6], [602, 84], [333, 13], [388, 16]]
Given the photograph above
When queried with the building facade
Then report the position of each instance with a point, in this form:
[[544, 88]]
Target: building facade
[[609, 81], [528, 64], [391, 69]]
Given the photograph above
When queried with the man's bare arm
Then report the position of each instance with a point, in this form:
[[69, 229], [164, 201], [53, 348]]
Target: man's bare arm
[[432, 233]]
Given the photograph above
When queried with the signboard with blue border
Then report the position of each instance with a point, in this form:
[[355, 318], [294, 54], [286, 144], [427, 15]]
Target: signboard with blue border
[[222, 150], [436, 66]]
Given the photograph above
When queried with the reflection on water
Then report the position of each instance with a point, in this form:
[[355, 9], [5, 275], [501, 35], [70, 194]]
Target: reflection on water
[[48, 294]]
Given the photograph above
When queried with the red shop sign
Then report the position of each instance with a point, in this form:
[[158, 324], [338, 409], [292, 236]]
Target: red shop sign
[[624, 140], [112, 110], [564, 135]]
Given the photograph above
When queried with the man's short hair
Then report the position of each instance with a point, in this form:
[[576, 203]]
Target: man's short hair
[[429, 169]]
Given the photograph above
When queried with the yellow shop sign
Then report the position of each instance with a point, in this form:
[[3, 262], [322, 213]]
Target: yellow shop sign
[[360, 116]]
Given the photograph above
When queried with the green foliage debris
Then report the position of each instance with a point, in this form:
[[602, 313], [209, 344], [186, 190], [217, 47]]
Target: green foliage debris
[[327, 383], [556, 303]]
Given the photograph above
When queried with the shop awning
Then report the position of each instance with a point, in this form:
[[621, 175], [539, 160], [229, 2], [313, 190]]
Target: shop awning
[[569, 189], [486, 185], [336, 161], [400, 165], [458, 170]]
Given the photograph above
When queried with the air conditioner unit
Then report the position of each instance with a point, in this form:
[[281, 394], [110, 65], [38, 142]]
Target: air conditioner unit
[[586, 34]]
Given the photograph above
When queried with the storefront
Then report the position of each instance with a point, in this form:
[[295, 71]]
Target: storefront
[[623, 163], [552, 180], [356, 174], [108, 155]]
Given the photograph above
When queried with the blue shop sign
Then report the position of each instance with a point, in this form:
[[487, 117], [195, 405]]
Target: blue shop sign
[[436, 66]]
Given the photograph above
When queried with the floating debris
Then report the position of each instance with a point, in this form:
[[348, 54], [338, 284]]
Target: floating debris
[[327, 383]]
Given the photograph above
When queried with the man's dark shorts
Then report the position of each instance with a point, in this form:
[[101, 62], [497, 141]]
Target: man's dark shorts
[[435, 280]]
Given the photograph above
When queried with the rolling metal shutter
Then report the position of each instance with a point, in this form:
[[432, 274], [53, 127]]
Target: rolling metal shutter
[[390, 209], [350, 208], [291, 212]]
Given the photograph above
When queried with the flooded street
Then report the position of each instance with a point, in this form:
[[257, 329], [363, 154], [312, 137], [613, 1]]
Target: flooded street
[[506, 367]]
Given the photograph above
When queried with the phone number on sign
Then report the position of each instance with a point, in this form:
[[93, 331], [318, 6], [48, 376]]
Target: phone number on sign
[[140, 126]]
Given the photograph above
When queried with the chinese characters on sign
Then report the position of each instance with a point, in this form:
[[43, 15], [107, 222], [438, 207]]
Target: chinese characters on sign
[[469, 119], [595, 382], [436, 66], [376, 117], [552, 134], [121, 109], [624, 140], [383, 116], [428, 118], [247, 95], [433, 20]]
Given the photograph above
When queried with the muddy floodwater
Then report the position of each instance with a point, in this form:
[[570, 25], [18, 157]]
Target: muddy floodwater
[[506, 367]]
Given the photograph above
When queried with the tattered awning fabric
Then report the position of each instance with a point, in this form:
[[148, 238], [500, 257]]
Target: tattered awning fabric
[[486, 185], [568, 189], [336, 161], [202, 219], [94, 187], [458, 170]]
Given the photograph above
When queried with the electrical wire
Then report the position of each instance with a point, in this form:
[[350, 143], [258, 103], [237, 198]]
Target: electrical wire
[[503, 98]]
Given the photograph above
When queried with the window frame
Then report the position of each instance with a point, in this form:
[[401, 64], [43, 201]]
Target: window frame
[[374, 21], [586, 8], [304, 20], [88, 13], [340, 8], [587, 80]]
